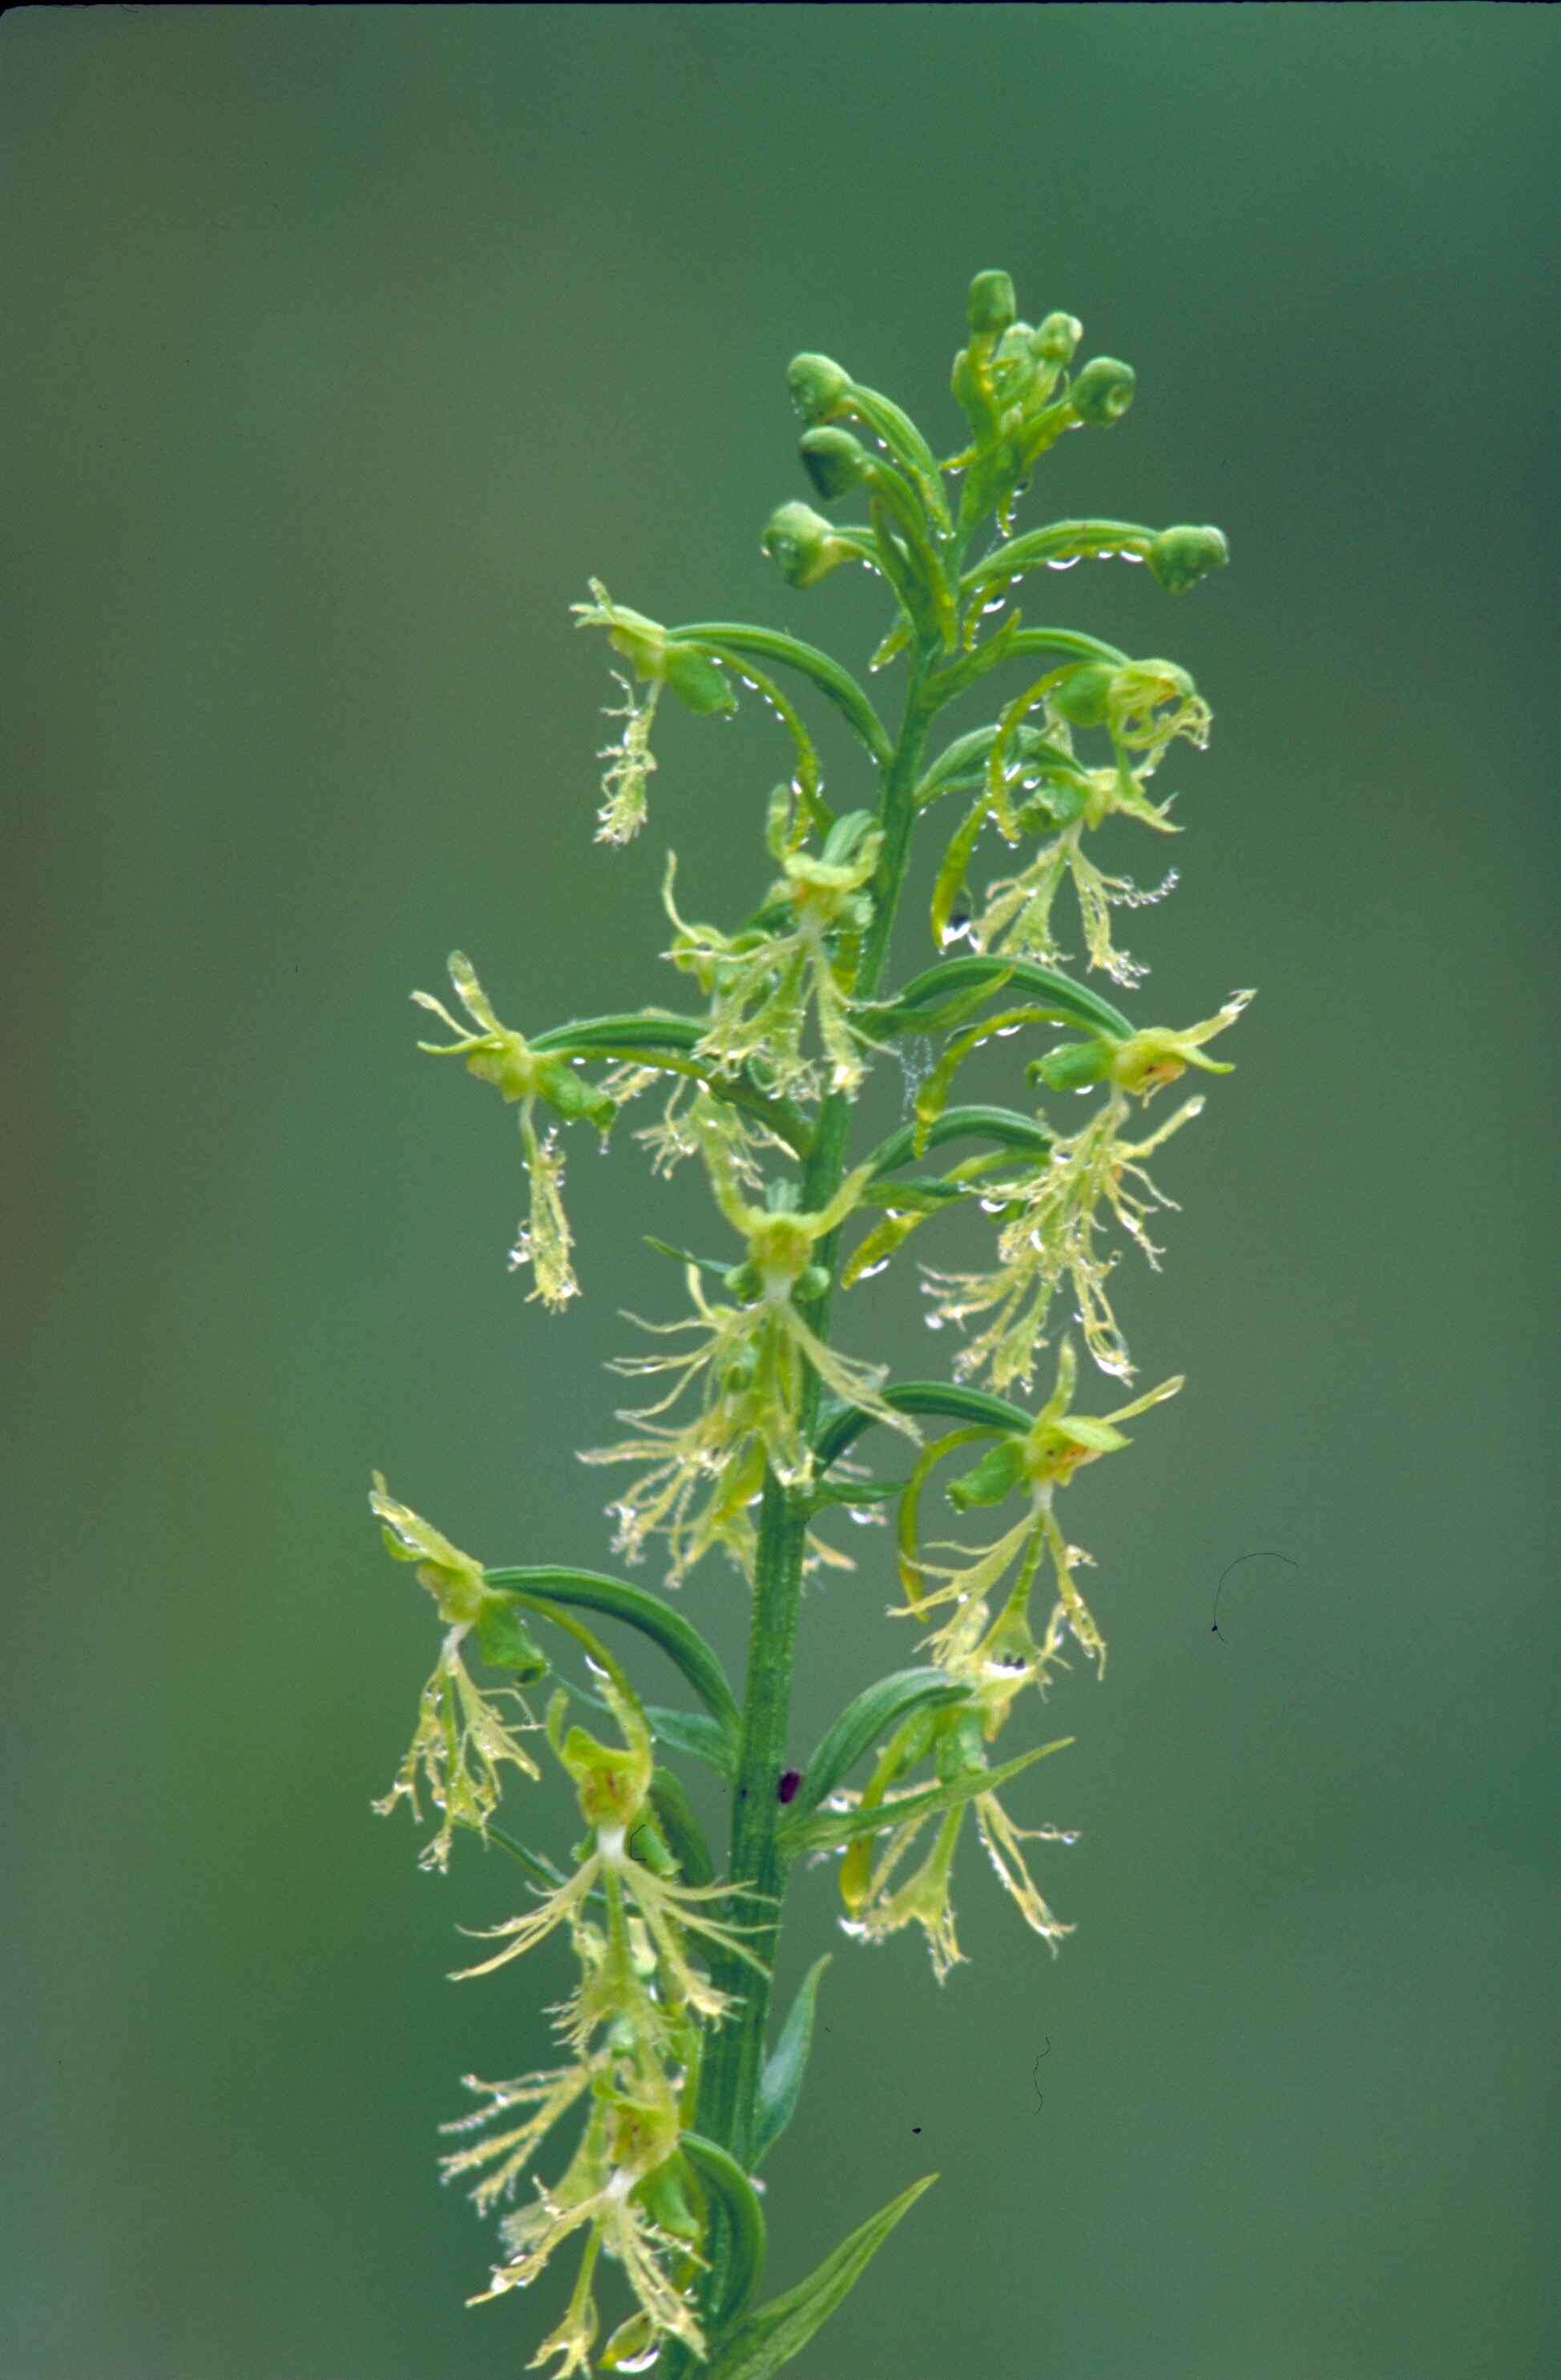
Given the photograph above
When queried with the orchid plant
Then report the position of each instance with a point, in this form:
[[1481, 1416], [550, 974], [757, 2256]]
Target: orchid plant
[[744, 1449]]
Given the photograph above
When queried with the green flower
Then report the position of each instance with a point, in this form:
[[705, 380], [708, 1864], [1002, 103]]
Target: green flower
[[1053, 1217], [612, 1784], [460, 1739], [704, 1474], [1142, 706], [631, 2137], [879, 1907], [1059, 1443], [762, 983], [496, 1053], [659, 659]]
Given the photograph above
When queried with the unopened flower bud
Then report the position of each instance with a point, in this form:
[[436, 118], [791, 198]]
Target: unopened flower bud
[[1056, 339], [834, 461], [991, 306], [997, 1472], [1179, 557], [818, 385], [960, 1749], [1074, 1065], [802, 545], [1081, 698], [1103, 391], [697, 681]]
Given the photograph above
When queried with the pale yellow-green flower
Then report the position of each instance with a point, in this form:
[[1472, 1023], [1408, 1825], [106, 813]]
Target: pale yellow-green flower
[[632, 2132], [461, 1740], [496, 1053], [1054, 1217], [761, 984], [613, 1784], [703, 1475], [1045, 1458]]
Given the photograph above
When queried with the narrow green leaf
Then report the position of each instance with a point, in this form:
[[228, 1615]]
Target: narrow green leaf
[[828, 1830], [905, 441], [647, 1029], [908, 1526], [955, 865], [959, 766], [539, 1870], [832, 681], [960, 675], [725, 2179], [686, 1256], [935, 1090], [684, 1837], [872, 1715], [1005, 1126], [676, 1636], [925, 1197], [781, 2082], [1064, 537], [697, 1736], [842, 1425], [1056, 993], [1068, 640], [655, 1036], [773, 2334], [854, 1491]]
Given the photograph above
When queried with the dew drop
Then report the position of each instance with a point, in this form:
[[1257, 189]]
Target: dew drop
[[1066, 565], [868, 1271], [1007, 1032], [1125, 556]]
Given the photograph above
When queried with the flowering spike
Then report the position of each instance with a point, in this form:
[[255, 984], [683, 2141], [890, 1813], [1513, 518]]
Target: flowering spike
[[744, 1438]]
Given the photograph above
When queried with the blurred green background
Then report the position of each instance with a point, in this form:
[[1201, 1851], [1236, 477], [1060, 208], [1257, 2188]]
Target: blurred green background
[[341, 344]]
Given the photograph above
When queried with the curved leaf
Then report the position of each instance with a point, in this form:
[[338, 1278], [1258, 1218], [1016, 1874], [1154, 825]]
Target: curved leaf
[[1057, 993], [677, 1637], [843, 1425], [828, 1830], [832, 681], [909, 1524], [724, 2178], [1072, 641], [655, 1036], [955, 866], [959, 766], [1064, 537], [773, 2334], [1005, 1126], [973, 666], [539, 1870], [646, 1029], [781, 2082], [872, 1715]]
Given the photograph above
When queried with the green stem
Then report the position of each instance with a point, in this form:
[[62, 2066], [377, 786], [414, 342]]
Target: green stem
[[733, 2054]]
